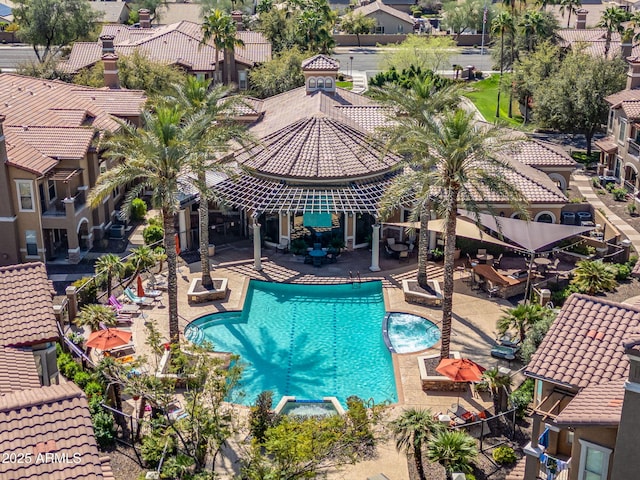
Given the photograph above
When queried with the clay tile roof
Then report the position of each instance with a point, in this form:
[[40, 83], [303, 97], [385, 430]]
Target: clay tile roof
[[607, 144], [17, 370], [595, 405], [70, 142], [378, 6], [517, 473], [631, 109], [541, 154], [54, 420], [617, 98], [26, 296], [320, 63], [367, 117], [319, 148], [584, 345]]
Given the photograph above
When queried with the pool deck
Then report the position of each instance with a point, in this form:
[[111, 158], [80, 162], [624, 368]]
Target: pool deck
[[474, 323]]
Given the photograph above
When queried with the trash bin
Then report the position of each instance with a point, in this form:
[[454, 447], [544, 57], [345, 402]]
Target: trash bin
[[568, 218], [212, 250], [584, 217]]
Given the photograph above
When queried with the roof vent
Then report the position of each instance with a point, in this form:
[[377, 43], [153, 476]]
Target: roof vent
[[25, 128], [595, 334]]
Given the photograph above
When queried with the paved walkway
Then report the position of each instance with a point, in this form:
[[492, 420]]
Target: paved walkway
[[583, 183], [360, 83]]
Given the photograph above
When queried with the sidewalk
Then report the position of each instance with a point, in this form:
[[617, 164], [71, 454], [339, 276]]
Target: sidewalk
[[360, 83], [583, 183]]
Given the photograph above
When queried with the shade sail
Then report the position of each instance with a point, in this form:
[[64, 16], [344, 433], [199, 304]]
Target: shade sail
[[532, 236], [464, 228]]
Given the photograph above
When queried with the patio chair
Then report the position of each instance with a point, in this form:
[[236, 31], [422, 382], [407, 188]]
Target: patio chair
[[120, 308], [283, 246], [403, 256], [144, 301], [499, 259], [503, 352], [391, 241], [317, 246], [492, 289], [481, 251]]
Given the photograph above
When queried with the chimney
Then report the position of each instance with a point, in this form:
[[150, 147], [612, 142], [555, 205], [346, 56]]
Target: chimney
[[107, 43], [144, 17], [626, 48], [110, 61], [581, 22], [236, 16], [633, 75]]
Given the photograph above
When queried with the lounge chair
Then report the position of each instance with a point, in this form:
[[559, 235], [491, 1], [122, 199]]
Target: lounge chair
[[144, 301], [504, 352], [122, 309]]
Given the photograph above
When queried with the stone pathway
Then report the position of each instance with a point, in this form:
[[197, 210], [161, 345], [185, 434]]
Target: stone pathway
[[360, 83], [583, 183]]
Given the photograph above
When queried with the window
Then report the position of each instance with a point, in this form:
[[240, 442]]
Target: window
[[622, 132], [594, 461], [32, 243], [328, 85], [103, 167], [538, 389], [611, 115], [200, 76], [51, 185], [312, 83], [242, 79], [25, 195], [320, 83]]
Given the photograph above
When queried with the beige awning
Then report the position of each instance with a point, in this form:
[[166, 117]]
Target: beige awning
[[463, 229]]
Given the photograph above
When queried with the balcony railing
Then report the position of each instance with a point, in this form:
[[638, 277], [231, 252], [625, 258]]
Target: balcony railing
[[548, 469], [59, 209], [633, 149]]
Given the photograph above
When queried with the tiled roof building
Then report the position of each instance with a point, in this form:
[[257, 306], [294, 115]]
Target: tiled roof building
[[49, 431], [48, 162]]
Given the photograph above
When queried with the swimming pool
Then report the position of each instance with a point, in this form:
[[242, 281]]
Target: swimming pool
[[308, 341], [408, 333]]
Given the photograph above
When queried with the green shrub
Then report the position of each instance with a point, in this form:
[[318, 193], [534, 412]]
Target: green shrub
[[87, 291], [69, 369], [93, 389], [152, 447], [619, 194], [129, 269], [610, 187], [152, 234], [522, 397], [582, 157], [623, 271], [138, 209], [559, 297], [595, 181], [632, 208], [104, 428], [298, 246], [81, 379], [504, 455]]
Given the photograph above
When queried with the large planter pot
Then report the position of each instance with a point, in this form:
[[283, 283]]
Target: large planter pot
[[456, 254]]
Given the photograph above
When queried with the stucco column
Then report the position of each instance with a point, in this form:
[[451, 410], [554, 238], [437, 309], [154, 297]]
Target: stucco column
[[257, 263], [375, 248]]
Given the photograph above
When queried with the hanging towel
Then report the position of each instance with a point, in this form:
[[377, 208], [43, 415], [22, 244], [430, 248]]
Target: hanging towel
[[543, 440]]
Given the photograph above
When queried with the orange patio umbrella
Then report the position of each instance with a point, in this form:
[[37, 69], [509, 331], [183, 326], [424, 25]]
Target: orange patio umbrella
[[140, 287], [460, 369], [177, 240], [108, 338]]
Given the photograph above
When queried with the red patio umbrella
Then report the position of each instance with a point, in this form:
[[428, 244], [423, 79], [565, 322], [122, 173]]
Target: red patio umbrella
[[140, 287], [460, 370], [108, 338]]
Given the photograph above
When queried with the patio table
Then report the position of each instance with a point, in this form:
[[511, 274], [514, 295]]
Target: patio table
[[317, 255], [485, 258], [399, 247]]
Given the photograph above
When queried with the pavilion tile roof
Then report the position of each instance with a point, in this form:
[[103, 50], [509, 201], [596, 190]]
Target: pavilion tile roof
[[595, 405], [26, 296], [318, 148], [378, 6], [178, 43], [45, 119], [584, 345], [321, 63], [17, 370], [541, 154], [368, 117], [54, 419]]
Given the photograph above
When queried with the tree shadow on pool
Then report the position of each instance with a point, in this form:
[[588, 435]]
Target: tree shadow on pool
[[290, 370]]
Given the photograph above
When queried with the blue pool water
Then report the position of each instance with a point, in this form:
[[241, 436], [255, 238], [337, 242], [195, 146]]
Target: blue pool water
[[308, 341], [408, 333]]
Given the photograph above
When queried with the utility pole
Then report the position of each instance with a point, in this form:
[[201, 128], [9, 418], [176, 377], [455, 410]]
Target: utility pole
[[484, 24]]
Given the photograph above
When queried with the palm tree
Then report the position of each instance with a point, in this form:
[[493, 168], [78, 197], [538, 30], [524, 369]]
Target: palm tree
[[570, 6], [455, 450], [229, 42], [94, 316], [496, 382], [611, 21], [501, 24], [155, 156], [108, 266], [141, 258], [211, 109], [412, 112], [522, 318], [214, 27], [533, 25], [412, 431], [593, 277], [469, 172]]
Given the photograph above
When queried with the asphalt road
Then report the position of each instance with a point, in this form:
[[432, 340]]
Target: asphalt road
[[13, 55]]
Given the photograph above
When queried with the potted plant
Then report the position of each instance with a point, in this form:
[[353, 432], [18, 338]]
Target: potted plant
[[437, 254], [298, 246], [337, 244], [632, 208]]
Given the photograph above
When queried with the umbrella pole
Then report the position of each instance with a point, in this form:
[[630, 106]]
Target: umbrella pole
[[526, 291]]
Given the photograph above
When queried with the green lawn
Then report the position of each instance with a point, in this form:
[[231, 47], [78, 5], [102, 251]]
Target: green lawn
[[347, 85], [484, 95]]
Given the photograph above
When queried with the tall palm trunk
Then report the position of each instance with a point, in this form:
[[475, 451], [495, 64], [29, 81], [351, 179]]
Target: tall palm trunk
[[501, 70], [172, 278], [569, 17], [417, 457], [423, 246], [511, 78], [217, 75], [203, 216], [449, 266], [607, 44]]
